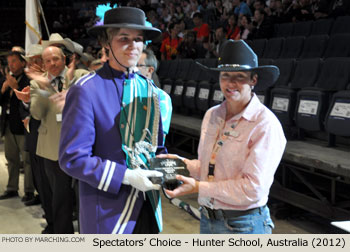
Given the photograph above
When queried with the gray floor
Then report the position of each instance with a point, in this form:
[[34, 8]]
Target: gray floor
[[15, 218]]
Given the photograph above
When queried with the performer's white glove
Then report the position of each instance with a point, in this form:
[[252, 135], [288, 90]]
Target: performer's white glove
[[138, 178]]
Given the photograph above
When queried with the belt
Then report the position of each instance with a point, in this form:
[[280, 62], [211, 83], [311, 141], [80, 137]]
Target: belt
[[219, 214]]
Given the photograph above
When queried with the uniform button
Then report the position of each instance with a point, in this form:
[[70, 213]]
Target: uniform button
[[122, 126]]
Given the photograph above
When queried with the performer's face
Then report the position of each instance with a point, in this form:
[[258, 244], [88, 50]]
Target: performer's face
[[127, 47]]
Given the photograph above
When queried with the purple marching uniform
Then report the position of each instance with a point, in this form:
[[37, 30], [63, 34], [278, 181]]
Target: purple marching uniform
[[91, 151]]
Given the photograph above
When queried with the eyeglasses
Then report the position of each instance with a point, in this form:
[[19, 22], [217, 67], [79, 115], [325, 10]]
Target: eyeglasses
[[142, 65]]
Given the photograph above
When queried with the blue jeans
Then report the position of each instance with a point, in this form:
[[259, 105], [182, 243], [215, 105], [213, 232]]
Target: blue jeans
[[256, 223]]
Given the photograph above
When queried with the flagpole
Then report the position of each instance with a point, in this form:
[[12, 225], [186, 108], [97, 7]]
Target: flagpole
[[42, 12]]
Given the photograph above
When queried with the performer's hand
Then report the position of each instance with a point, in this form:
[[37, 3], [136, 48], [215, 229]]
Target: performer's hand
[[24, 94], [190, 185], [139, 178]]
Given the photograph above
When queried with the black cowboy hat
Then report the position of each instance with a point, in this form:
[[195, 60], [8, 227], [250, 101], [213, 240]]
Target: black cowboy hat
[[237, 56], [125, 17]]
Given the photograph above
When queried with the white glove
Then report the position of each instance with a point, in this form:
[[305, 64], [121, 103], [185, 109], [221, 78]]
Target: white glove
[[138, 178]]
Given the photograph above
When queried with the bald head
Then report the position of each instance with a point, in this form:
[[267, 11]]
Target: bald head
[[54, 60]]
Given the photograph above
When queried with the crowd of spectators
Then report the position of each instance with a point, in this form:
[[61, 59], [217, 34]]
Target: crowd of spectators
[[197, 28], [194, 28]]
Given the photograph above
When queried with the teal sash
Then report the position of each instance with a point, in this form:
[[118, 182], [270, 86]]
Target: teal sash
[[139, 126]]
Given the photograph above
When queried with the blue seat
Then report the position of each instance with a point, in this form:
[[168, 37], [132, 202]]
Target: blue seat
[[302, 28], [258, 46], [314, 46], [338, 46], [313, 103], [283, 30], [283, 98], [292, 47], [322, 27], [263, 94], [337, 122], [273, 48], [341, 25]]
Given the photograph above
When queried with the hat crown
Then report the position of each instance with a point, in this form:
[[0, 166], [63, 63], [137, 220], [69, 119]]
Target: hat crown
[[55, 37], [237, 53], [125, 15]]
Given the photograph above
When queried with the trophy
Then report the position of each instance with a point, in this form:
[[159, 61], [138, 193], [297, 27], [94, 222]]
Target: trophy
[[170, 168]]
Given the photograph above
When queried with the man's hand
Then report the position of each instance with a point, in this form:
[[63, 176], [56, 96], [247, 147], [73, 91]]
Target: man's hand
[[4, 87], [11, 81], [36, 68], [189, 186], [23, 95], [38, 77], [71, 68], [26, 122], [59, 99]]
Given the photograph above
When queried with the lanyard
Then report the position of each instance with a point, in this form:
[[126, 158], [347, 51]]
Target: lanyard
[[217, 146]]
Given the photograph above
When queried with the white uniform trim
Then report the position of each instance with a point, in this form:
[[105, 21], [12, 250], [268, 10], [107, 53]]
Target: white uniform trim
[[130, 202], [104, 175], [110, 175], [82, 80]]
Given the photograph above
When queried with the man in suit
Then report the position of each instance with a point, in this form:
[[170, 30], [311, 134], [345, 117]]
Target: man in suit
[[12, 128], [48, 94]]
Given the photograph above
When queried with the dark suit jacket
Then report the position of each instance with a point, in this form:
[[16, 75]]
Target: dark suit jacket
[[16, 115]]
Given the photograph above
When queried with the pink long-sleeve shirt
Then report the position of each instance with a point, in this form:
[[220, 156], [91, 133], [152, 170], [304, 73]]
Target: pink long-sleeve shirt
[[247, 161]]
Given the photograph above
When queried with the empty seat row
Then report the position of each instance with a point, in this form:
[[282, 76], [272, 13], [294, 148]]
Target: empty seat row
[[320, 46], [318, 27], [310, 94], [316, 98]]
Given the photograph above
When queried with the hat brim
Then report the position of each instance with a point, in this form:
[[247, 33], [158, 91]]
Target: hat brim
[[267, 75], [69, 46], [150, 32]]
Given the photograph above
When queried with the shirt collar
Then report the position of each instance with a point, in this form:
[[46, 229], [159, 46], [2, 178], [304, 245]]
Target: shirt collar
[[62, 74], [249, 112]]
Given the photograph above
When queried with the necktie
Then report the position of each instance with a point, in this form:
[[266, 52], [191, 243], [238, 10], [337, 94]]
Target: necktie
[[59, 83]]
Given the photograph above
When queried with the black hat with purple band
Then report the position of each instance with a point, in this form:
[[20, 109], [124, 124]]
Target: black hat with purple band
[[237, 56]]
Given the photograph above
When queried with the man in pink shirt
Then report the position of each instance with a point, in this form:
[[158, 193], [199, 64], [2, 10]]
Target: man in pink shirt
[[241, 145]]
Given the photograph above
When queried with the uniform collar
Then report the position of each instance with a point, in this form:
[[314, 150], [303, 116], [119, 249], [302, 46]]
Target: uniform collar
[[107, 72]]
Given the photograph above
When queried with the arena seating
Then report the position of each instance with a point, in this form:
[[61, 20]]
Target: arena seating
[[312, 103], [283, 97], [314, 62], [273, 48], [314, 46], [302, 28], [292, 47]]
